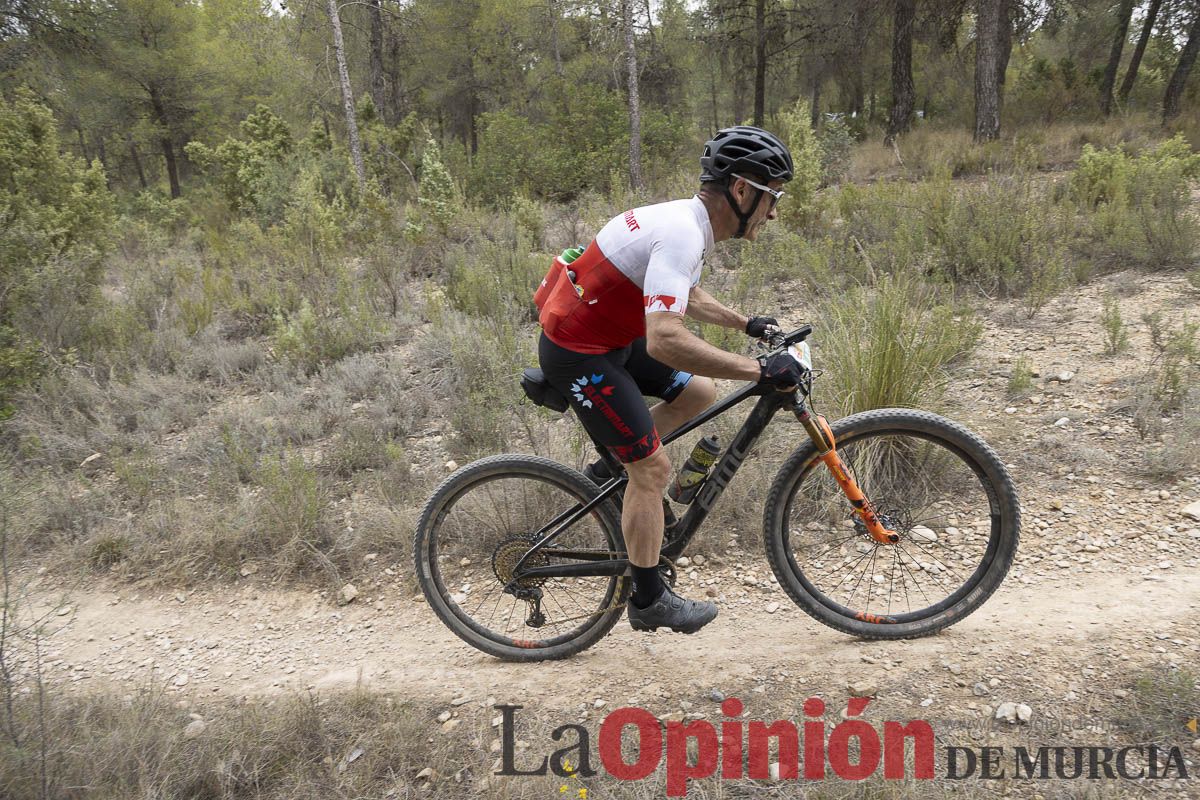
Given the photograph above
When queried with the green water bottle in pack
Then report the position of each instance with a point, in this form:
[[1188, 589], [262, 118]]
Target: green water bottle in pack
[[693, 472]]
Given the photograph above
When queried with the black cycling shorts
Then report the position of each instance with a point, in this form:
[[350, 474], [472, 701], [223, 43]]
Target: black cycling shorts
[[605, 390]]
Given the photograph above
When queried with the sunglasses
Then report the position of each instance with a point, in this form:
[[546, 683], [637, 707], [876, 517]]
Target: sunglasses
[[775, 193]]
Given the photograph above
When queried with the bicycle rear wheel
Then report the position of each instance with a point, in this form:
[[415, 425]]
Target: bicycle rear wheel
[[475, 528], [931, 480]]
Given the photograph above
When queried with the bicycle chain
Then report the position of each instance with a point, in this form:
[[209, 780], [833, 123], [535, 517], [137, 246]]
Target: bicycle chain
[[615, 606]]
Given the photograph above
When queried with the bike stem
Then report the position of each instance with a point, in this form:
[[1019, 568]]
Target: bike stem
[[822, 437]]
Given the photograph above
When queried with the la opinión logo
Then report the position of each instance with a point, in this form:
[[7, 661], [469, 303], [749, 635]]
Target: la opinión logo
[[853, 750], [740, 749]]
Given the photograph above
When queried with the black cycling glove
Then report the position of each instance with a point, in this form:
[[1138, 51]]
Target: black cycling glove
[[782, 371], [757, 326]]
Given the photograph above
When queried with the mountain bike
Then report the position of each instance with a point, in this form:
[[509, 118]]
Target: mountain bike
[[887, 524]]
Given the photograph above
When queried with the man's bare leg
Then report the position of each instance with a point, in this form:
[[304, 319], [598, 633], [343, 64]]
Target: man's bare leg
[[652, 606], [699, 394], [642, 511]]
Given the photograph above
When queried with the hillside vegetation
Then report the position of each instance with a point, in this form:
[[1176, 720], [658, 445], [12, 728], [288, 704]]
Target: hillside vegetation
[[261, 292]]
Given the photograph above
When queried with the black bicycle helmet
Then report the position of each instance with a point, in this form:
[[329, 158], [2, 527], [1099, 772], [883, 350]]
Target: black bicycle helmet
[[747, 151], [744, 148]]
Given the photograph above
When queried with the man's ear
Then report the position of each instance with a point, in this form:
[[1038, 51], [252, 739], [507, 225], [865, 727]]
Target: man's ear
[[738, 188]]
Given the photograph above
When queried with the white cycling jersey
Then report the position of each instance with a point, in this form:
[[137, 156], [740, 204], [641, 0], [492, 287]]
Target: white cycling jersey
[[642, 261]]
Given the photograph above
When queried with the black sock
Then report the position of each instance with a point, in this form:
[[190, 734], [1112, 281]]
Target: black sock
[[647, 586]]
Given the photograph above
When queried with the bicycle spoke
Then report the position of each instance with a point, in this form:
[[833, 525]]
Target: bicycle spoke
[[911, 481], [482, 533]]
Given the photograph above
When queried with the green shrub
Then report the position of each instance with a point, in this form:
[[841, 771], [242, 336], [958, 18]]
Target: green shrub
[[1116, 337], [138, 476], [436, 193], [476, 365], [309, 339], [548, 153], [241, 451], [361, 446], [806, 151], [290, 526], [1159, 704], [107, 549], [1000, 237], [497, 278], [891, 345], [1020, 382], [1137, 208], [1176, 359], [20, 363], [57, 221], [836, 143], [1177, 453], [530, 219], [247, 167]]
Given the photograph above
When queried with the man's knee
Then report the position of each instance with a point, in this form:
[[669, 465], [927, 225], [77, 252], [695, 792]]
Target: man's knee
[[651, 472], [699, 394]]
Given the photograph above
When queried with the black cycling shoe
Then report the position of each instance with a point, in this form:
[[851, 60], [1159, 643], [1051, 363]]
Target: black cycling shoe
[[674, 612]]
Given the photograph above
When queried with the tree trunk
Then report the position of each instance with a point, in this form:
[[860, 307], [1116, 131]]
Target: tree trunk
[[815, 111], [102, 154], [635, 110], [1114, 56], [712, 85], [987, 58], [396, 94], [554, 20], [168, 148], [1004, 35], [137, 163], [860, 31], [472, 126], [1135, 60], [339, 51], [83, 150], [760, 61], [172, 167], [739, 92], [378, 87], [1187, 57], [904, 94]]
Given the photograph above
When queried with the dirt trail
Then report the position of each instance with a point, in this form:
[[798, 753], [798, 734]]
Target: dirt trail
[[1106, 585], [258, 642]]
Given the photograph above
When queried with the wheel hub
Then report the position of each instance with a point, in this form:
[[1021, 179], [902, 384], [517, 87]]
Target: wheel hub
[[890, 517]]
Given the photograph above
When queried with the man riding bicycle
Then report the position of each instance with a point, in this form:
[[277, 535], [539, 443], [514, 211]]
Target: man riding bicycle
[[613, 330]]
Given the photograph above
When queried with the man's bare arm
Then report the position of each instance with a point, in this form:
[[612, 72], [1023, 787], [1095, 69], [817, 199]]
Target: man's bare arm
[[704, 307], [669, 341]]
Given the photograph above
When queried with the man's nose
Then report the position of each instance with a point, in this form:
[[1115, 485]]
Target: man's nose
[[772, 213]]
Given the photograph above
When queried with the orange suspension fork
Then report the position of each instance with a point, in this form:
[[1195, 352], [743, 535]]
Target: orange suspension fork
[[822, 436]]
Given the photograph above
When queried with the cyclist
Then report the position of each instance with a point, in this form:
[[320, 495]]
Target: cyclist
[[613, 330]]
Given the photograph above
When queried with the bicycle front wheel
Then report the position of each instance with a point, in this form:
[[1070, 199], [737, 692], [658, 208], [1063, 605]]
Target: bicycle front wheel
[[937, 484], [475, 529]]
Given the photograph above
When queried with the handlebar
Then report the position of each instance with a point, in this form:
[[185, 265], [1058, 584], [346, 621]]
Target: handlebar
[[781, 341]]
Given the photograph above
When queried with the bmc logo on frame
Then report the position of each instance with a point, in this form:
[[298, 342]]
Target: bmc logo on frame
[[633, 744]]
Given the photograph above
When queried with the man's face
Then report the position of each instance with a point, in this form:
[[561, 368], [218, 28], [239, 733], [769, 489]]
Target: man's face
[[745, 194]]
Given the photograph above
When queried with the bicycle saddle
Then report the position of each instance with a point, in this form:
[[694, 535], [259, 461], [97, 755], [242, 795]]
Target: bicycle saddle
[[539, 390]]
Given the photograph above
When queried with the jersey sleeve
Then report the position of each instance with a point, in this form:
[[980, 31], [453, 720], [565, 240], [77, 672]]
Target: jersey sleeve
[[673, 260]]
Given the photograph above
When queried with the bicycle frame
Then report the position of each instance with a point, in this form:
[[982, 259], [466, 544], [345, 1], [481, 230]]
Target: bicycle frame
[[599, 563]]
